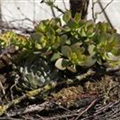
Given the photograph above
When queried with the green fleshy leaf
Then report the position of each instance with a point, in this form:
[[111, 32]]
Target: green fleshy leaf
[[77, 17], [83, 32], [88, 62], [112, 57], [62, 64], [76, 48], [36, 37], [67, 16], [72, 68], [72, 24], [91, 50], [55, 56], [63, 39], [66, 51], [38, 46]]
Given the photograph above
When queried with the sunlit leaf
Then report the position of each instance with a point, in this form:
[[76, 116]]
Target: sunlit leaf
[[59, 64], [88, 62], [91, 49], [67, 16], [72, 68], [112, 57], [77, 17]]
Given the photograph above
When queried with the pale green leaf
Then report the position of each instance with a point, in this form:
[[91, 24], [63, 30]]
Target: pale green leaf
[[67, 16], [66, 51], [59, 64]]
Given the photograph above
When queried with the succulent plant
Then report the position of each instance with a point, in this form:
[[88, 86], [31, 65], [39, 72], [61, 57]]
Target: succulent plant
[[76, 43], [35, 74], [10, 37]]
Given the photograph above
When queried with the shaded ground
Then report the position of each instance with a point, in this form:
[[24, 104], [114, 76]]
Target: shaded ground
[[93, 95]]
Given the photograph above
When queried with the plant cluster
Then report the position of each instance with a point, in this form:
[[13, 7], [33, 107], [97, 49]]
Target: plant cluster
[[37, 61], [76, 43]]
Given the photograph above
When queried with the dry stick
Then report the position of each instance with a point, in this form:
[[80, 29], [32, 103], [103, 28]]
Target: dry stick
[[74, 114], [3, 108], [63, 116], [78, 78], [115, 69], [9, 118], [2, 88], [29, 94], [47, 105], [53, 12], [39, 108], [40, 117], [103, 10], [84, 111], [53, 6], [106, 107], [85, 75], [31, 109], [93, 11], [57, 8], [64, 5]]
